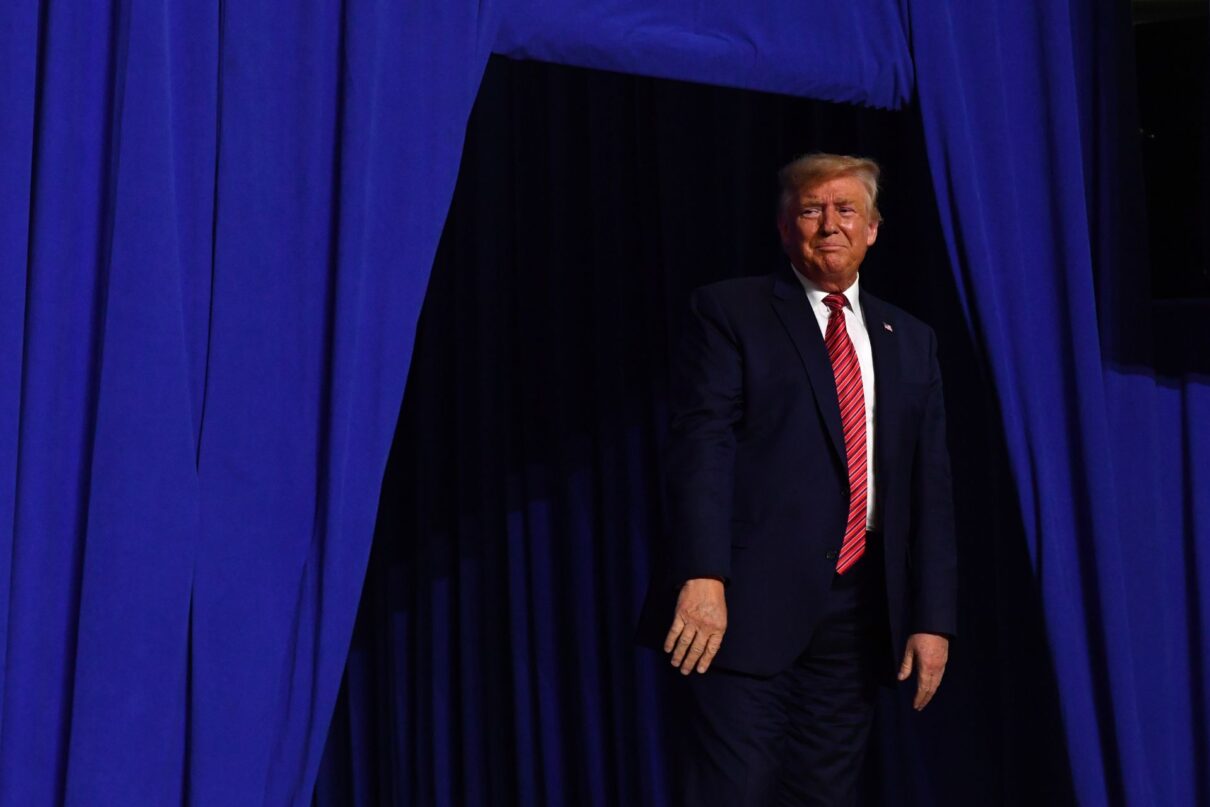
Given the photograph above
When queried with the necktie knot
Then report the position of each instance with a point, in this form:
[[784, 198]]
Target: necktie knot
[[835, 301]]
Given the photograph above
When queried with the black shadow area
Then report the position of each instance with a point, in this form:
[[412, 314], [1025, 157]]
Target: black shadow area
[[492, 660]]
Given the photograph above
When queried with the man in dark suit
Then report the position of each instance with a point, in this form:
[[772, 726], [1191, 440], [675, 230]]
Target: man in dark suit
[[811, 527]]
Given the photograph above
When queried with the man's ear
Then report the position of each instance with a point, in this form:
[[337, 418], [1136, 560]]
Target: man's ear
[[872, 233]]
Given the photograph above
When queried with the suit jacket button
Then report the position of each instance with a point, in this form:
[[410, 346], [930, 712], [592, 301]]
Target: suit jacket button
[[830, 554]]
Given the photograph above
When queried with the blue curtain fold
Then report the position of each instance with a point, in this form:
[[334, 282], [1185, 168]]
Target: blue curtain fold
[[103, 436], [217, 226], [18, 63], [1032, 134], [855, 52]]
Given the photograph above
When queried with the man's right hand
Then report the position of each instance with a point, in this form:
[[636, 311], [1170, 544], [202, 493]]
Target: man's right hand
[[698, 627]]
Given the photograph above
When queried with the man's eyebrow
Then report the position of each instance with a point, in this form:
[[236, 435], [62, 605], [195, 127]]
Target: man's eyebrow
[[813, 202]]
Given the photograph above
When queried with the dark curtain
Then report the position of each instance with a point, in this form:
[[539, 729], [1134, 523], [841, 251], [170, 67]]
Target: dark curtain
[[492, 661]]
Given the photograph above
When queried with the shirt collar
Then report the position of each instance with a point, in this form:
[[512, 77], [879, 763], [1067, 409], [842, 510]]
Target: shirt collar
[[815, 294]]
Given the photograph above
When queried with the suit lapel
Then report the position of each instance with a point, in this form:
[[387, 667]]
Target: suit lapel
[[794, 310]]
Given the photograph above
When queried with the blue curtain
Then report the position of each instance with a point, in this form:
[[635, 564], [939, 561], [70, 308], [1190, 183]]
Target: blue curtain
[[855, 52], [217, 225], [1029, 110], [216, 230]]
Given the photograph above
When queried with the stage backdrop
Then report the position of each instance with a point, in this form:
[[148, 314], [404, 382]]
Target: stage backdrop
[[493, 660], [216, 230]]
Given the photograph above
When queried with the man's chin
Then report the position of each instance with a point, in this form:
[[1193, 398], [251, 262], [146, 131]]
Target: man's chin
[[828, 270], [837, 278], [832, 262], [834, 269]]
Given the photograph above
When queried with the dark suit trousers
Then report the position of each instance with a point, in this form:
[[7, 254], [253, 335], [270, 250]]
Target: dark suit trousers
[[798, 737]]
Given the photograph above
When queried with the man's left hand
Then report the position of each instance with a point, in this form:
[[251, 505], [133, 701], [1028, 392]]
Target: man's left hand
[[926, 653]]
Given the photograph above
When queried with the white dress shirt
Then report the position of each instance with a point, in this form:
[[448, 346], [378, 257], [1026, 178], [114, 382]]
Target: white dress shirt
[[854, 321]]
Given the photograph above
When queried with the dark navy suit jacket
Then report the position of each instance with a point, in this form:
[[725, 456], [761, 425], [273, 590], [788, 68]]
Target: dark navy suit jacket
[[756, 481]]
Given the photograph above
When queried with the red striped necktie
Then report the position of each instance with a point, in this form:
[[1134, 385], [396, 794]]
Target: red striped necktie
[[851, 395]]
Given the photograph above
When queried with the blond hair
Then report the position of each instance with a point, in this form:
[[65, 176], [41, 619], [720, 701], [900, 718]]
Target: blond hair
[[812, 169]]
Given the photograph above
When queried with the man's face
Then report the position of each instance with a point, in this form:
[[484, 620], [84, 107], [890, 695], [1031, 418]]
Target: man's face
[[827, 230]]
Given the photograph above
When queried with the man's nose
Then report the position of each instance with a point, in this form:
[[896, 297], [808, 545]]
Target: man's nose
[[828, 220]]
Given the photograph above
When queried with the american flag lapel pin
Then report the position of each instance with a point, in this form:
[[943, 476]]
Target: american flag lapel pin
[[887, 326]]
